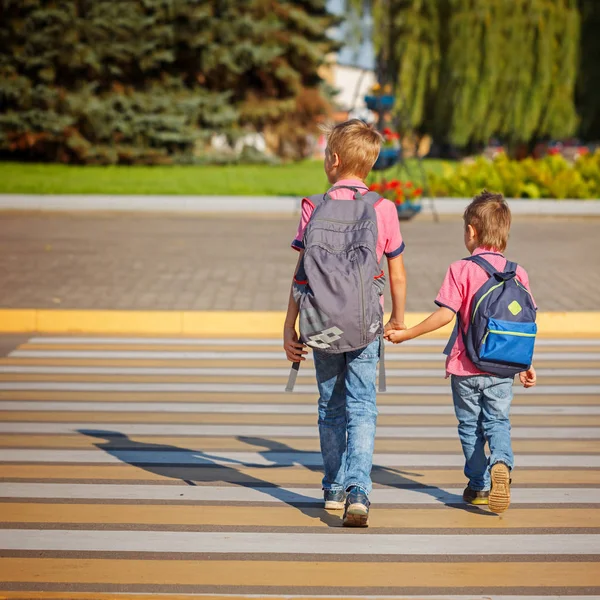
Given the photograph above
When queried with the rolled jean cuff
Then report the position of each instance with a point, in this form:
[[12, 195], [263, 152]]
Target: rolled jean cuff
[[362, 488], [333, 488], [477, 488]]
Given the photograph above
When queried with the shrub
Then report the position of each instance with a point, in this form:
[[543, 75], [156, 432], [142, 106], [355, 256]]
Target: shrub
[[550, 177]]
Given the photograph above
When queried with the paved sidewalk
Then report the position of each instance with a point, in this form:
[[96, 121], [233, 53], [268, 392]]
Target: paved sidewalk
[[189, 262]]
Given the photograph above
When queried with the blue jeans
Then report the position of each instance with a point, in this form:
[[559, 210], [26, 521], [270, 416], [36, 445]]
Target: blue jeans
[[347, 416], [482, 406]]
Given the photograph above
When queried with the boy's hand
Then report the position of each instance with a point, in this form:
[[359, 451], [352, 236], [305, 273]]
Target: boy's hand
[[397, 336], [528, 378], [294, 350], [393, 324]]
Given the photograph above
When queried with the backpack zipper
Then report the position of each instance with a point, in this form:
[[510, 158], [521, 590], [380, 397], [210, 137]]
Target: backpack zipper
[[523, 287], [517, 333], [482, 297]]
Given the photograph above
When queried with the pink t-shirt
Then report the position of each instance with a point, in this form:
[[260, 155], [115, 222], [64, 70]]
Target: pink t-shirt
[[389, 241], [461, 283]]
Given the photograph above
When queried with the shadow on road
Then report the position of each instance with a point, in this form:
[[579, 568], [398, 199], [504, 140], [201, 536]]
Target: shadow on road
[[186, 467]]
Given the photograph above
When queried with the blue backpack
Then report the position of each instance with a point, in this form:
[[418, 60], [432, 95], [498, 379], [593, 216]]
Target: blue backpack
[[500, 335]]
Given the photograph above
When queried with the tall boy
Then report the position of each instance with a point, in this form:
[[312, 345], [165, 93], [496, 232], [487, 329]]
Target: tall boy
[[346, 381], [481, 401]]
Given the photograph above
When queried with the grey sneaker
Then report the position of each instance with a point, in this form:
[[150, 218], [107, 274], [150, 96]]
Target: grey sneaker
[[334, 499], [357, 508]]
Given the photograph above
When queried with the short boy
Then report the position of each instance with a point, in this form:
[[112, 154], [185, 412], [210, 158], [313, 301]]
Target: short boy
[[347, 381], [481, 401]]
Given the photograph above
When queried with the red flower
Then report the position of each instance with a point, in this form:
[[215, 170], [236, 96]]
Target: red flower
[[554, 151], [408, 184], [394, 184], [418, 192], [387, 131], [375, 187]]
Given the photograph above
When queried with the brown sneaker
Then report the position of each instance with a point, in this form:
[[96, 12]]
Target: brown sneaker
[[476, 497], [500, 493]]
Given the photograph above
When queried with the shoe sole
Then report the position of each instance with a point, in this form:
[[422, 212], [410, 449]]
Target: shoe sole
[[357, 515], [333, 505], [499, 499]]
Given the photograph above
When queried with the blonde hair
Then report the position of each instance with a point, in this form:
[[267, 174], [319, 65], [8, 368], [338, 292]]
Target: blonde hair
[[490, 216], [357, 145]]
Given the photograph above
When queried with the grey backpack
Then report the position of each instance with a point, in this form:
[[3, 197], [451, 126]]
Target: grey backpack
[[339, 283]]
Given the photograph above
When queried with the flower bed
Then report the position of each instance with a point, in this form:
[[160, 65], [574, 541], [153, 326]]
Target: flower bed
[[549, 177], [403, 194]]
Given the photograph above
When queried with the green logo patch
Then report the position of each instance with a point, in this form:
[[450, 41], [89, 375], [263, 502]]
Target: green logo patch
[[515, 308]]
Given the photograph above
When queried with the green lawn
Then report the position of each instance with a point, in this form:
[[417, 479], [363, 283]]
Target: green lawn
[[253, 180]]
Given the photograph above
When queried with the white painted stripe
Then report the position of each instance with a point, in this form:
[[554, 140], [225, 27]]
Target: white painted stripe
[[201, 355], [259, 388], [271, 409], [254, 341], [278, 431], [248, 372], [298, 543], [205, 493], [268, 458]]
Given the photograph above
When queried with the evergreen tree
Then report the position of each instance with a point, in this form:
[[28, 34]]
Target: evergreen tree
[[150, 80]]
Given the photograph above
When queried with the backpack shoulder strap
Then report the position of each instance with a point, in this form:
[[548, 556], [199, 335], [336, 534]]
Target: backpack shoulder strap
[[315, 200], [372, 198], [484, 264], [357, 194], [511, 267], [453, 337]]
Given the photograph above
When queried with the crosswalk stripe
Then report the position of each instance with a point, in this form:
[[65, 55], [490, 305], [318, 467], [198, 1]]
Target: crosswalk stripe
[[224, 443], [248, 372], [211, 596], [80, 386], [257, 341], [335, 575], [286, 476], [288, 516], [279, 398], [246, 420], [187, 457], [281, 409], [279, 430], [259, 355], [239, 543], [180, 493]]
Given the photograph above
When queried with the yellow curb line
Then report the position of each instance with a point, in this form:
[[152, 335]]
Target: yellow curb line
[[232, 324]]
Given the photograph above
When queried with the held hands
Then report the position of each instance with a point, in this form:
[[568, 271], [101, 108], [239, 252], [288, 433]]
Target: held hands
[[394, 331], [294, 349], [397, 336], [528, 378]]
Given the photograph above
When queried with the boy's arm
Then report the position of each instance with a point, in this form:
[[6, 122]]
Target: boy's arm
[[397, 274], [294, 350], [442, 316]]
